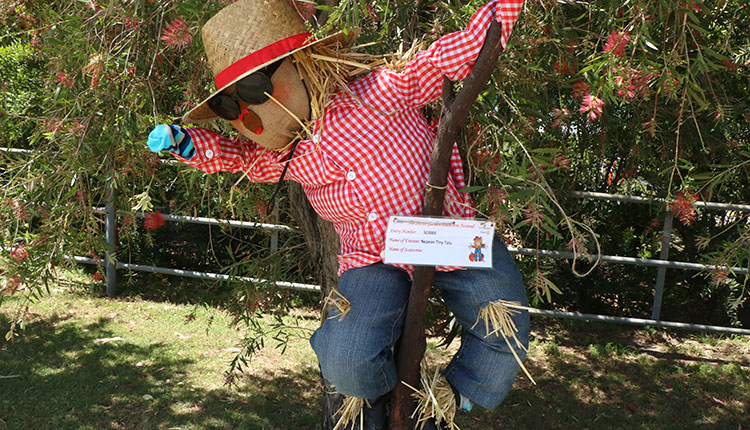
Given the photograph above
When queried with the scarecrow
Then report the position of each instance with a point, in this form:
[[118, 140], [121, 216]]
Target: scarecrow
[[352, 132], [477, 245]]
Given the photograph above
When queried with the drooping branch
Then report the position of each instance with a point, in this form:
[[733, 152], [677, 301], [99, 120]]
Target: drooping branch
[[453, 116]]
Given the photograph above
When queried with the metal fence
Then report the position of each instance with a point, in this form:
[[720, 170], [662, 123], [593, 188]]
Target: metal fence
[[662, 263]]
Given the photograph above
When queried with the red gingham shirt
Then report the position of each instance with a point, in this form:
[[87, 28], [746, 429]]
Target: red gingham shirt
[[369, 157]]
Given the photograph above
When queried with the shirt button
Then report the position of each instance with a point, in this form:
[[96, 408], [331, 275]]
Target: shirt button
[[316, 138], [372, 216], [209, 154], [351, 175]]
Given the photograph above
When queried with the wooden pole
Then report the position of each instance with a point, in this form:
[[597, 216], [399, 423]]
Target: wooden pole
[[453, 116]]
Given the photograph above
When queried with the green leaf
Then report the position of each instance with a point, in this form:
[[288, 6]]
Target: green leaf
[[518, 195], [550, 229], [545, 150], [473, 188], [696, 27]]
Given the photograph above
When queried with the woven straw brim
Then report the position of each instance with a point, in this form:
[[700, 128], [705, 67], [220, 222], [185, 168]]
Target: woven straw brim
[[203, 113]]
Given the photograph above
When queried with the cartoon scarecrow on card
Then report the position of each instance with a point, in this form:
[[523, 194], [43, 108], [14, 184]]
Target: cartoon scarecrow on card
[[356, 139]]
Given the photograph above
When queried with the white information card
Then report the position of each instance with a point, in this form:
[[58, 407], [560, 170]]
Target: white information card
[[439, 241]]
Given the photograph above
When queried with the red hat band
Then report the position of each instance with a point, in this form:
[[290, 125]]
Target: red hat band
[[261, 57]]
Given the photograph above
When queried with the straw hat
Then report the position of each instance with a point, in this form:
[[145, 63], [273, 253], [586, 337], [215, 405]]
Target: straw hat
[[245, 37]]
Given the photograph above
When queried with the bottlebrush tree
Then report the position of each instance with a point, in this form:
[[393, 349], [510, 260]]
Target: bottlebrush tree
[[648, 98]]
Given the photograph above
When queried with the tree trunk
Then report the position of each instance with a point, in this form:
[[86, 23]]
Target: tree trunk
[[453, 116], [323, 243]]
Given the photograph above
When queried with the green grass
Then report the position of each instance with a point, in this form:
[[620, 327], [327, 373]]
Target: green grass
[[87, 362], [94, 363]]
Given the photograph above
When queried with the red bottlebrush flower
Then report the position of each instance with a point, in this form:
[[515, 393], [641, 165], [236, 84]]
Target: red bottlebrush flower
[[670, 84], [305, 9], [720, 276], [593, 106], [64, 79], [649, 127], [641, 81], [97, 276], [53, 125], [95, 256], [496, 197], [262, 210], [35, 42], [693, 6], [133, 24], [730, 65], [561, 162], [577, 244], [80, 196], [617, 42], [95, 67], [497, 194], [559, 116], [532, 216], [580, 89], [683, 206], [76, 128], [153, 221], [11, 285], [177, 34], [481, 157], [565, 68], [18, 208], [19, 253]]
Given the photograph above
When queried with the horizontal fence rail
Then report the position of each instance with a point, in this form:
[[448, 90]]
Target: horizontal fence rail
[[206, 221], [662, 264], [716, 206], [201, 275], [648, 262], [537, 312]]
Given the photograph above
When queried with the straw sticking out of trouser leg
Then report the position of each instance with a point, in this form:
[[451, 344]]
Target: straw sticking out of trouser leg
[[435, 400], [498, 315], [338, 301], [351, 413]]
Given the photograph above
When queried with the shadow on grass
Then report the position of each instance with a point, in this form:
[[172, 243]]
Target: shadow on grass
[[65, 375], [588, 379], [69, 376]]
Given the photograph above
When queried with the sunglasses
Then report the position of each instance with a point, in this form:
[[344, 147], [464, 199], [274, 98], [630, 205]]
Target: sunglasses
[[253, 89]]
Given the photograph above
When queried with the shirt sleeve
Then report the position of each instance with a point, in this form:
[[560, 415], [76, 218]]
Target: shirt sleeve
[[216, 153], [452, 56]]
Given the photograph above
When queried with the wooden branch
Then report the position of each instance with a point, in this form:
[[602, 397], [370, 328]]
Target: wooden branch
[[455, 111]]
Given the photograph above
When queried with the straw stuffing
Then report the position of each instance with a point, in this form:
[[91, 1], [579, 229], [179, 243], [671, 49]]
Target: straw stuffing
[[435, 400], [328, 68], [338, 301], [351, 413], [498, 316]]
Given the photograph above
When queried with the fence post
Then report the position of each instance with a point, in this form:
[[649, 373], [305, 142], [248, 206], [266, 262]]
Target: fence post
[[662, 273], [110, 226], [275, 233]]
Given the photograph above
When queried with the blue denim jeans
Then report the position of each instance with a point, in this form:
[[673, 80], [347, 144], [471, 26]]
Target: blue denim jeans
[[356, 351]]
